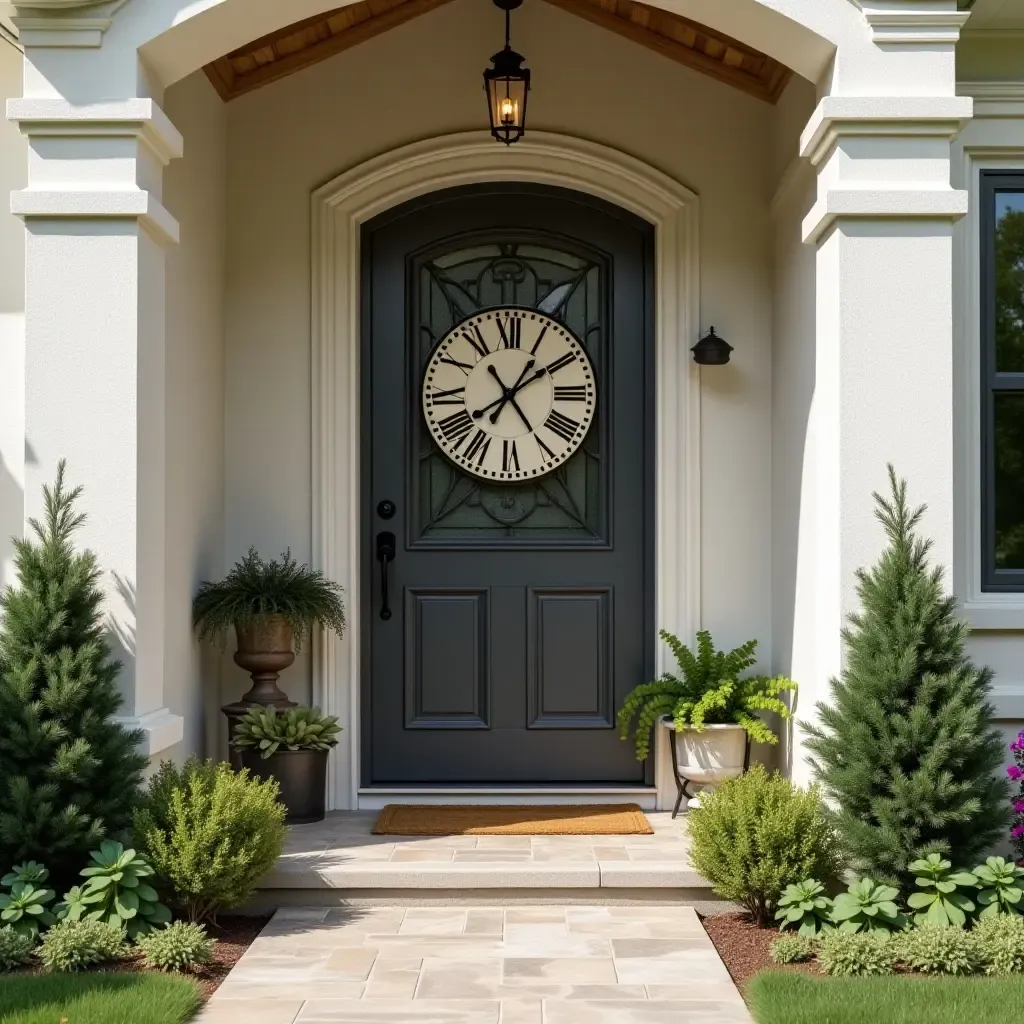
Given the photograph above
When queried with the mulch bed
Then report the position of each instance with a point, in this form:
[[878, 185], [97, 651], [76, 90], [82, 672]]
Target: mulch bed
[[744, 947], [234, 936]]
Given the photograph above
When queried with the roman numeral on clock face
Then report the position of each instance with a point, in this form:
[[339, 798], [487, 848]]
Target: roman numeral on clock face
[[571, 393], [511, 331], [453, 397], [561, 362], [456, 427], [564, 426], [476, 339], [478, 447], [509, 457]]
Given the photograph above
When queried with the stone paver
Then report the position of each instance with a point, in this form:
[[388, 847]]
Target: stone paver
[[480, 965], [342, 853]]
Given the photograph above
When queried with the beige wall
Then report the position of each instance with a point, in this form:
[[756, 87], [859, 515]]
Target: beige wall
[[423, 79], [194, 192], [792, 388], [13, 155]]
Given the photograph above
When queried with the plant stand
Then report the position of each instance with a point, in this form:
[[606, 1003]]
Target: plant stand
[[683, 785]]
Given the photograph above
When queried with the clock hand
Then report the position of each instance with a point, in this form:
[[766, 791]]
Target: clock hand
[[506, 393], [515, 405]]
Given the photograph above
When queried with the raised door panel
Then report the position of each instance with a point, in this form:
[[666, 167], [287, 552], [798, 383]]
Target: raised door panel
[[446, 659], [569, 658]]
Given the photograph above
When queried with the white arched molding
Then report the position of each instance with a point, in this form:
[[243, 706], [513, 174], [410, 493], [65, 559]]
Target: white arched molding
[[340, 208]]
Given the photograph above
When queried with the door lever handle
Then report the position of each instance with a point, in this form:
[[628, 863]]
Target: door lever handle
[[385, 554]]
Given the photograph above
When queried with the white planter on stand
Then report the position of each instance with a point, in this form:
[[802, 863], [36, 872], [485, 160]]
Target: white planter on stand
[[705, 758]]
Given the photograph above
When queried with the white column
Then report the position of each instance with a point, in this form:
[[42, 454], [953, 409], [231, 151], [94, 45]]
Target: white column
[[882, 225], [94, 392]]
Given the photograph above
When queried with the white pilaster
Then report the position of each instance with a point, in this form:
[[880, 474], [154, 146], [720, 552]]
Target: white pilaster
[[94, 393], [882, 225]]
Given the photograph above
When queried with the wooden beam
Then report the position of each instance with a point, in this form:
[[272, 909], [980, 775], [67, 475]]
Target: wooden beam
[[300, 59], [693, 59]]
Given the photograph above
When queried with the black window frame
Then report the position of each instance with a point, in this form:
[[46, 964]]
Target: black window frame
[[992, 183]]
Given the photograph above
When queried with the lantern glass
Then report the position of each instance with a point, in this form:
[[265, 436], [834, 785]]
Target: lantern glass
[[507, 85]]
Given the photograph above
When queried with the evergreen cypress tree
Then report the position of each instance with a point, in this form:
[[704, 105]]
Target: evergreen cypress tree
[[907, 749], [69, 775]]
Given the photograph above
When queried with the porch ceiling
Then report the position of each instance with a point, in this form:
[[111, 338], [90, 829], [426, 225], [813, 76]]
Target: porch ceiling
[[307, 42]]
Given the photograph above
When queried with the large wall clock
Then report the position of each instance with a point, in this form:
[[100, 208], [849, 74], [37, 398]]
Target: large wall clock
[[509, 394]]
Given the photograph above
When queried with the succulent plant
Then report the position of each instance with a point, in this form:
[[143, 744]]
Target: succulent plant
[[940, 903], [867, 907], [25, 910], [266, 730], [806, 907], [116, 894], [1000, 883], [30, 871]]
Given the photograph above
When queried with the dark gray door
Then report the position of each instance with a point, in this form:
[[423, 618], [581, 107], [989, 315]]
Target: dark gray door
[[520, 612]]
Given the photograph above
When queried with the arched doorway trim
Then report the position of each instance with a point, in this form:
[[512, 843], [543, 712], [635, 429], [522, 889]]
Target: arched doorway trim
[[339, 208]]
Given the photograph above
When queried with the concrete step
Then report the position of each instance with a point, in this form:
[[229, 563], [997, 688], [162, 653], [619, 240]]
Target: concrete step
[[340, 860]]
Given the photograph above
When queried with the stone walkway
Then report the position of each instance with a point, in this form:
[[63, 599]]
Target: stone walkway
[[480, 965]]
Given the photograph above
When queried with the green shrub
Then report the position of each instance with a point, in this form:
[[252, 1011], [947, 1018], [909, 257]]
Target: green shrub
[[178, 947], [1000, 944], [1000, 883], [939, 949], [805, 906], [793, 949], [753, 836], [846, 953], [24, 908], [265, 730], [74, 945], [907, 747], [866, 907], [210, 833], [942, 901], [709, 691], [15, 948], [115, 892], [69, 773]]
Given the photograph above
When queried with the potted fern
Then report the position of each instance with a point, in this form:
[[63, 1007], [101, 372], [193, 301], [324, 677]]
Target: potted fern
[[290, 746], [710, 708], [272, 606]]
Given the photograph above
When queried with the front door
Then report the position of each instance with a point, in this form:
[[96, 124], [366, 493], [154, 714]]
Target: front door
[[508, 468]]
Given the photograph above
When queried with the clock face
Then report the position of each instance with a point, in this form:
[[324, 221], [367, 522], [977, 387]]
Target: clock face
[[509, 394]]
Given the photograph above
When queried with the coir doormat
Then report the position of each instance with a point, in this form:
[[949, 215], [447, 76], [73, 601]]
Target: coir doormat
[[498, 820]]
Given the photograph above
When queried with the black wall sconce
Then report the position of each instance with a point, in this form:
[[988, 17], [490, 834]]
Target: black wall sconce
[[711, 350]]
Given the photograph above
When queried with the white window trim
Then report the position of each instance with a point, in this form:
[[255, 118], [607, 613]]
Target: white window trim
[[994, 141]]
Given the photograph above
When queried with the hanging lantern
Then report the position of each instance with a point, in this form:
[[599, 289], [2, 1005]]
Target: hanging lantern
[[507, 84], [711, 350]]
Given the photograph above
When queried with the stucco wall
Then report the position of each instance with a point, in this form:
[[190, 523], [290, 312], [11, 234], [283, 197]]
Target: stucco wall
[[194, 192], [792, 389], [13, 149], [423, 79]]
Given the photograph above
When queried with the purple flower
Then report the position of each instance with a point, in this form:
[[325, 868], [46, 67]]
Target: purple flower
[[1018, 806], [1018, 831], [1014, 772]]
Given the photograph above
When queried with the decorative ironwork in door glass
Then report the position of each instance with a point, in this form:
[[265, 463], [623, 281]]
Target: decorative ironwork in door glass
[[568, 504]]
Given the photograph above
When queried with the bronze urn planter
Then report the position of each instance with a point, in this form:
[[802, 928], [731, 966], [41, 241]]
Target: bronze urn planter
[[265, 650], [273, 606]]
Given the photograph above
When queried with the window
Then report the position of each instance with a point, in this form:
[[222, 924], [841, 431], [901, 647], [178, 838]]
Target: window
[[1002, 380]]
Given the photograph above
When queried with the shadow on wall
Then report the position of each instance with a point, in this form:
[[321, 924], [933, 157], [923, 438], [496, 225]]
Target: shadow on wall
[[12, 519]]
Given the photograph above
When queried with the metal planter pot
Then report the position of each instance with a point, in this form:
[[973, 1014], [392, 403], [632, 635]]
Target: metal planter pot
[[302, 776]]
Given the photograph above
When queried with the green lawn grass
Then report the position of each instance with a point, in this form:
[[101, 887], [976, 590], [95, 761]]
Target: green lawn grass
[[97, 998], [782, 997]]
